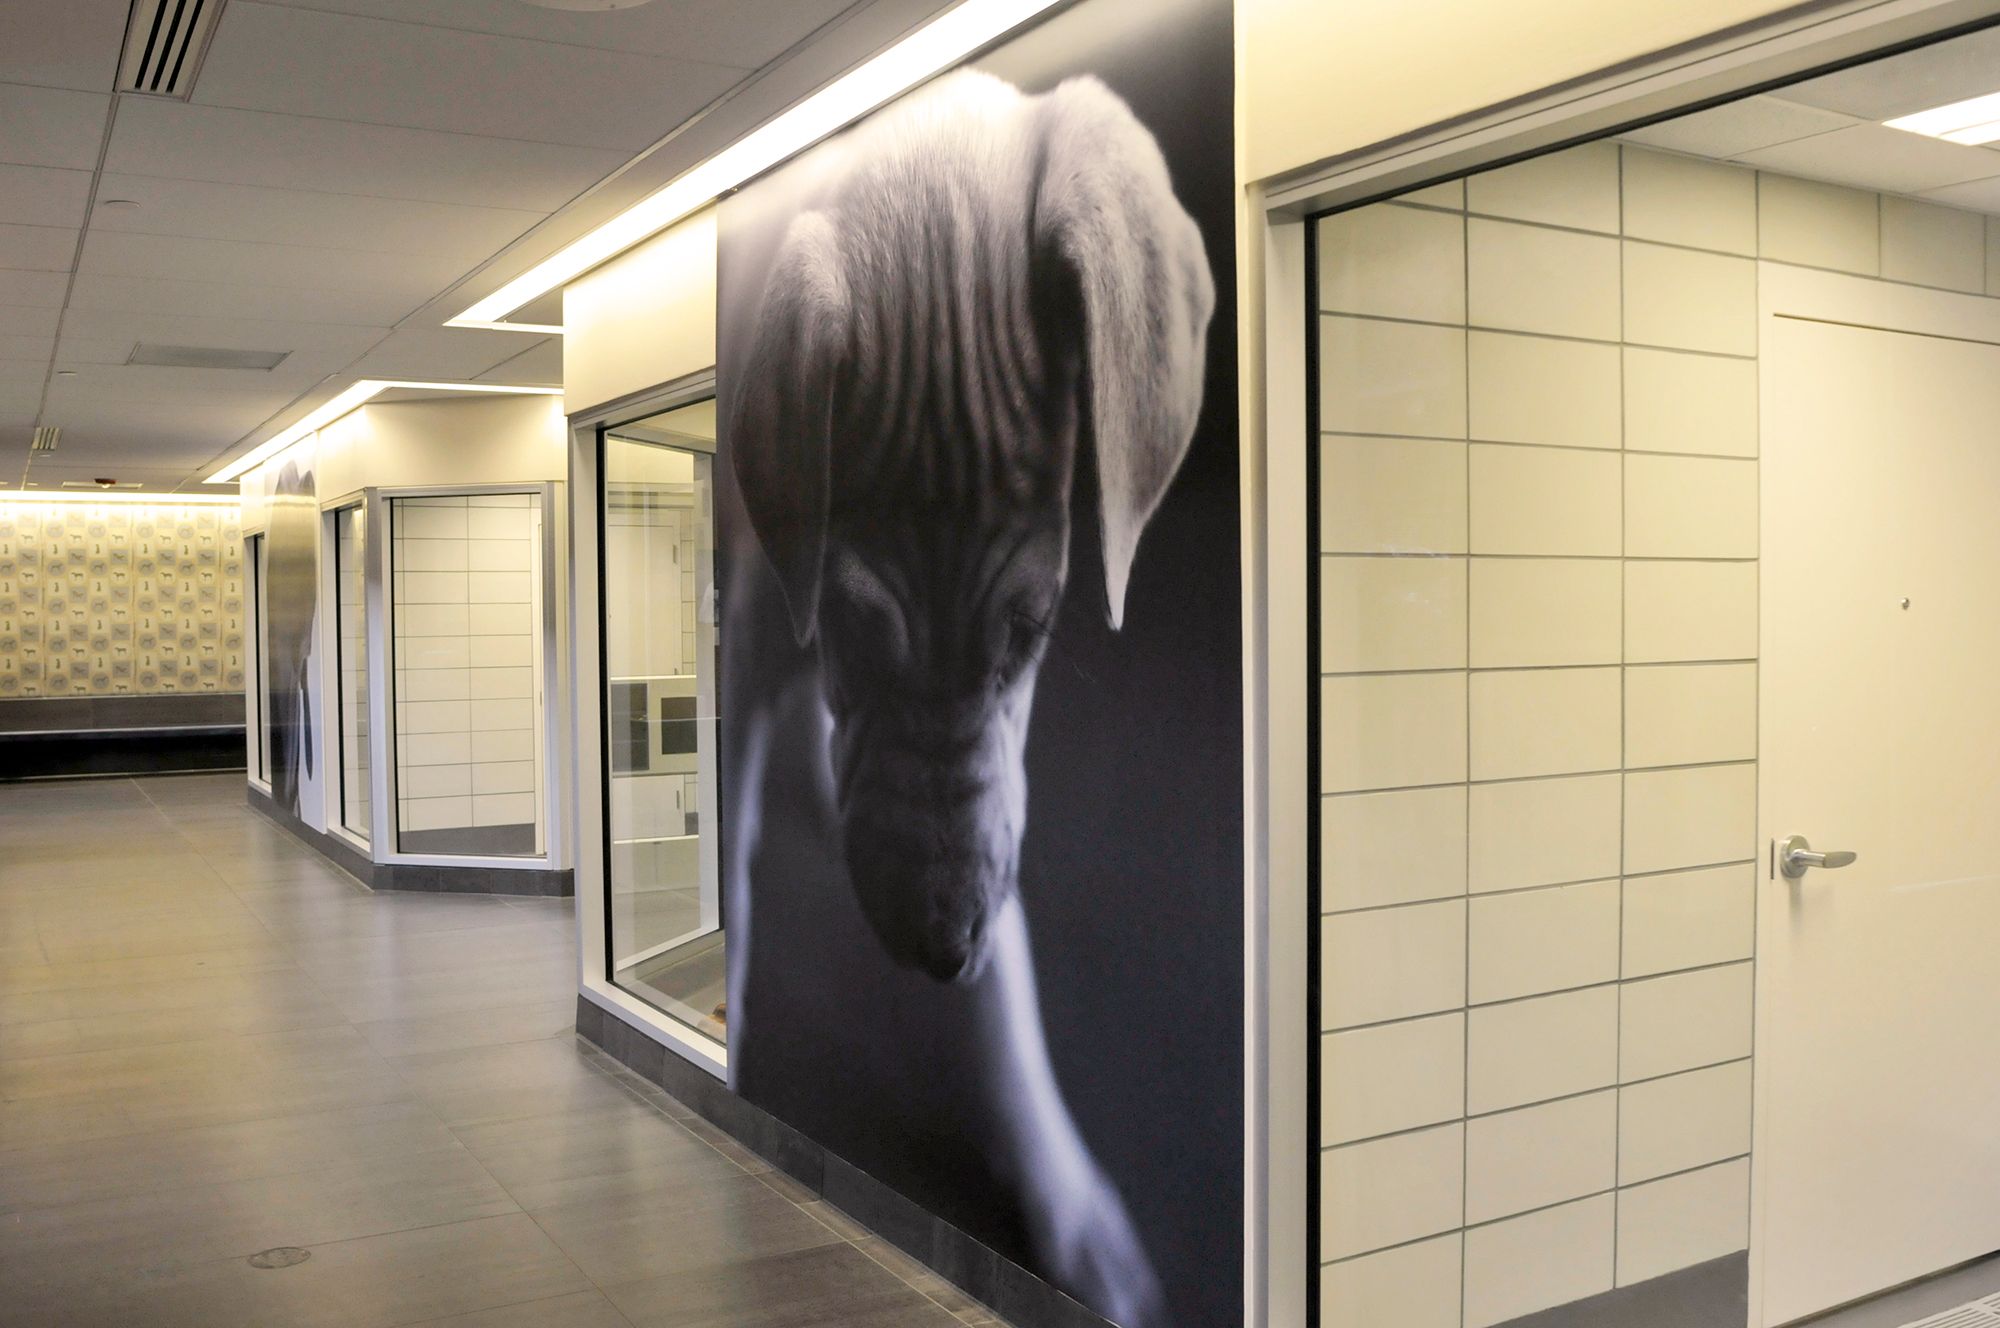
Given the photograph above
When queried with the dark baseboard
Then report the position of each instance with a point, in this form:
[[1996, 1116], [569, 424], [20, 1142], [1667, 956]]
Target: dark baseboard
[[1012, 1292], [533, 882], [1715, 1294], [66, 737]]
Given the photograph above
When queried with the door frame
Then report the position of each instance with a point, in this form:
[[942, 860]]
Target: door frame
[[1282, 1144]]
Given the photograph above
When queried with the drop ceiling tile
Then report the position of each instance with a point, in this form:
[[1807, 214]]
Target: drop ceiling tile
[[300, 217], [51, 126], [331, 339], [67, 44], [448, 353], [14, 347], [1935, 75], [34, 290], [15, 373], [1871, 157], [73, 350], [1739, 127], [38, 248], [43, 196], [149, 382], [413, 277], [1979, 195], [539, 365], [17, 321], [745, 33], [16, 398], [341, 67], [208, 299], [230, 146]]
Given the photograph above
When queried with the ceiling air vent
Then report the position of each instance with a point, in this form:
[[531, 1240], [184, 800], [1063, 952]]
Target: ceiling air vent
[[205, 357], [46, 438], [164, 45]]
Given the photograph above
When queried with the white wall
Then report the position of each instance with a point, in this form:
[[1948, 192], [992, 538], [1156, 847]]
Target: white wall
[[645, 318], [461, 440]]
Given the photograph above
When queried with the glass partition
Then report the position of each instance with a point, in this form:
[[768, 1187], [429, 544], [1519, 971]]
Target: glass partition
[[664, 905], [351, 636], [466, 606], [258, 684]]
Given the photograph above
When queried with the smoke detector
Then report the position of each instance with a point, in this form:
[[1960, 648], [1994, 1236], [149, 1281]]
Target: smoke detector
[[165, 43]]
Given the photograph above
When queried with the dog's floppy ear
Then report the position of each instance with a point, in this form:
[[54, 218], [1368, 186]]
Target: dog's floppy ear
[[780, 433], [1106, 205]]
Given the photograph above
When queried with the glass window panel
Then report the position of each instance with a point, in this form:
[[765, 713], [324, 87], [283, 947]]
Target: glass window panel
[[663, 902], [259, 686], [466, 593], [350, 543]]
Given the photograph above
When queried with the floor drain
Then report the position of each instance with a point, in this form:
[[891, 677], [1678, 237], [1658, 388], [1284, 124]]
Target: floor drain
[[282, 1257]]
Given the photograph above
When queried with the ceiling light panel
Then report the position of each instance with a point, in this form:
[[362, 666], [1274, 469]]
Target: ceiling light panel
[[1973, 121]]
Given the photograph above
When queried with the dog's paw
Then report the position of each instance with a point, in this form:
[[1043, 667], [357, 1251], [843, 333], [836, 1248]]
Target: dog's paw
[[1090, 1250]]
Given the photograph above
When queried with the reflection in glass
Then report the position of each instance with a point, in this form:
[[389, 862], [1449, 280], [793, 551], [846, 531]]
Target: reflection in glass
[[659, 651], [466, 628], [351, 627], [259, 681]]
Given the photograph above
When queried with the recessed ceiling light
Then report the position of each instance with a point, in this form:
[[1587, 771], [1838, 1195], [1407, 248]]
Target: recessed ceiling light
[[586, 4], [65, 373], [119, 204], [1973, 121]]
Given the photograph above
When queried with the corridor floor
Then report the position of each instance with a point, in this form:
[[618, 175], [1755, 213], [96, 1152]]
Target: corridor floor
[[213, 1045]]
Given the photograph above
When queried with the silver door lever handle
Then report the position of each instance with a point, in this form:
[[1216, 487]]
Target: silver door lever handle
[[1795, 854]]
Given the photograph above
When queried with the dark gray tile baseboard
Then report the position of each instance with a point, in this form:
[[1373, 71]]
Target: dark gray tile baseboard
[[1715, 1294], [1012, 1292], [537, 882]]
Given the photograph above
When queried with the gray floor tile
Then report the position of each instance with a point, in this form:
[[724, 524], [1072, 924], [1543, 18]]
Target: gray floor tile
[[798, 1289]]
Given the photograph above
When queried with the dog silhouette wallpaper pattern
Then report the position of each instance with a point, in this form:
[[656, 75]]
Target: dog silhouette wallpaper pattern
[[134, 598], [980, 688]]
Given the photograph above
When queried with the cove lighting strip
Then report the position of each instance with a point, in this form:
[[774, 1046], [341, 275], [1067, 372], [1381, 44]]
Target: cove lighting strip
[[939, 44], [356, 396], [1973, 121], [118, 496]]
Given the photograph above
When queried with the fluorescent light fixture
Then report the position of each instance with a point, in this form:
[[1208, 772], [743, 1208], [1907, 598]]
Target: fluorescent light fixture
[[119, 496], [942, 42], [356, 396], [1973, 121]]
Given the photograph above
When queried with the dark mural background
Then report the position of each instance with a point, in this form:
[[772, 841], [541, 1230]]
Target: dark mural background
[[1131, 865]]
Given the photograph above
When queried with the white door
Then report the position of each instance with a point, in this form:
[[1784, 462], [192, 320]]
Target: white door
[[1879, 1099]]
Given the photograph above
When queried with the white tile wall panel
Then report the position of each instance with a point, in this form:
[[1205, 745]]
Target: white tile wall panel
[[430, 587], [504, 777], [432, 716], [1690, 507], [515, 650], [431, 555], [1696, 817], [1537, 1261], [1577, 188], [1684, 1021], [1817, 225], [1540, 500], [419, 520], [1392, 963], [497, 555], [511, 714], [503, 809], [1531, 612], [1690, 611], [1689, 714], [1547, 390], [1392, 1190], [499, 619], [1689, 299], [1690, 201], [1393, 262], [1391, 731], [1928, 245], [1391, 378], [1683, 1220], [502, 745], [483, 522], [1392, 1077], [1396, 848], [1520, 1052], [1683, 1121], [1533, 279], [432, 652], [1544, 722], [1541, 1155], [1543, 831], [497, 587], [430, 620], [1679, 401], [1689, 919], [1392, 613], [432, 684], [436, 748], [1392, 495], [434, 813], [488, 684], [434, 781], [1527, 942], [1411, 1286]]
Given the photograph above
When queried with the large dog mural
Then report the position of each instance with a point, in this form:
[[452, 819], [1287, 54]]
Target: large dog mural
[[987, 292]]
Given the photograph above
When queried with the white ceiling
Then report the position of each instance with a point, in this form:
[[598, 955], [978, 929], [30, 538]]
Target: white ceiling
[[1829, 128], [342, 166]]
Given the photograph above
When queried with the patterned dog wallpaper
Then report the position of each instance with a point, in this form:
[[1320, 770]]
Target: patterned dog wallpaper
[[98, 599]]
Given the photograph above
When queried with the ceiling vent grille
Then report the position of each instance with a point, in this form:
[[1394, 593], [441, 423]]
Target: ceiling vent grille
[[165, 42], [46, 438], [100, 484], [205, 357]]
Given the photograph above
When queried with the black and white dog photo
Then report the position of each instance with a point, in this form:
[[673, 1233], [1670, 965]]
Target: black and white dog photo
[[983, 318]]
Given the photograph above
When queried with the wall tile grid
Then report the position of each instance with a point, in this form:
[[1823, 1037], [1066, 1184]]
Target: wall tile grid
[[465, 654], [1538, 640], [120, 598]]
